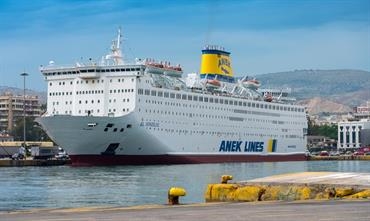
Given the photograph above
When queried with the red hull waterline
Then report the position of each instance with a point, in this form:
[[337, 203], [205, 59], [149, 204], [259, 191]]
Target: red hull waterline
[[111, 160]]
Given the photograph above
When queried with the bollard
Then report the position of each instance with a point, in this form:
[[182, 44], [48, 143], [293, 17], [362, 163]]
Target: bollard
[[174, 193], [225, 178]]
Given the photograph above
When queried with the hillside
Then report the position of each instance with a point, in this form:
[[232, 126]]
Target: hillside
[[318, 105], [348, 87]]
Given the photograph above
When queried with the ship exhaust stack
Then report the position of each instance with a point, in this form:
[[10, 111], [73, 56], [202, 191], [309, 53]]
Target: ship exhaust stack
[[216, 64]]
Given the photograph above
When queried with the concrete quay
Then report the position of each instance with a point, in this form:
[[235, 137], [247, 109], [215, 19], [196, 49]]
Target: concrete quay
[[256, 211], [341, 157], [296, 186]]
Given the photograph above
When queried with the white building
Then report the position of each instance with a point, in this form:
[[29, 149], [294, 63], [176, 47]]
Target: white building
[[353, 134]]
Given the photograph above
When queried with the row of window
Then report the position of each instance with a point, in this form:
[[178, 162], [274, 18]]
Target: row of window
[[92, 111], [92, 70], [221, 108], [91, 92], [216, 100], [222, 134], [92, 101], [210, 116], [90, 81]]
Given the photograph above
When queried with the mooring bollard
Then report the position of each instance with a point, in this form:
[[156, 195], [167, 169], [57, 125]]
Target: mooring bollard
[[174, 193], [225, 178]]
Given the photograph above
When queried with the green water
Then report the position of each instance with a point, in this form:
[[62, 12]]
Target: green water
[[64, 186]]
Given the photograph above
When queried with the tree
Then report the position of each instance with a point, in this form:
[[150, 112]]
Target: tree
[[330, 131], [33, 131]]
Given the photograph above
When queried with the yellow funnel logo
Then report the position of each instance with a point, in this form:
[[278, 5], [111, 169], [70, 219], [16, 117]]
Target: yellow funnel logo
[[216, 61]]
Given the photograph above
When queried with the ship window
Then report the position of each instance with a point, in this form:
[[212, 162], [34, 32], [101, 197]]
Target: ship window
[[172, 95], [235, 103], [211, 100], [109, 125], [253, 105], [147, 92], [166, 94], [119, 80], [244, 104], [195, 98], [129, 126], [178, 96], [83, 71], [121, 130], [160, 94], [226, 102], [154, 93], [206, 99], [183, 97], [90, 70], [240, 103], [112, 70], [115, 130], [257, 105], [190, 97]]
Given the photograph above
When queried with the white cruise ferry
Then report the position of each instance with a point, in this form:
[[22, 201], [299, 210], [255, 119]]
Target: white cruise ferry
[[117, 113]]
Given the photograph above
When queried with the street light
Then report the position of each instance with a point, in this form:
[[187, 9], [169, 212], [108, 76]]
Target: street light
[[24, 75]]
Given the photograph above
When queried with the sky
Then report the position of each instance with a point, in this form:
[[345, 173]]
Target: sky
[[263, 36]]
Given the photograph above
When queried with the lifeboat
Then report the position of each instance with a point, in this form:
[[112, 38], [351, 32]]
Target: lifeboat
[[251, 84], [268, 97], [213, 83]]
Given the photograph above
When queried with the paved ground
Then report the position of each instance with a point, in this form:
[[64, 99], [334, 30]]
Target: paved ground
[[256, 211], [326, 178]]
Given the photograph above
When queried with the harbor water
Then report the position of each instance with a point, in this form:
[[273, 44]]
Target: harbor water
[[65, 187]]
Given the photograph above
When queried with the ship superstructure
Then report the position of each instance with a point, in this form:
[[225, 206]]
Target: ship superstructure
[[144, 112]]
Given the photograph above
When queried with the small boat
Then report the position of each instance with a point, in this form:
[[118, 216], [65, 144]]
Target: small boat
[[251, 84], [214, 83], [268, 97]]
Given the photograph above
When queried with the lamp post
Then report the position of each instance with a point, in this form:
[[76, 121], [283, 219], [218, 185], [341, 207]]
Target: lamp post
[[24, 75]]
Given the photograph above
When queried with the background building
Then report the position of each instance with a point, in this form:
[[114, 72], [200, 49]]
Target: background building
[[353, 134], [362, 112], [11, 109]]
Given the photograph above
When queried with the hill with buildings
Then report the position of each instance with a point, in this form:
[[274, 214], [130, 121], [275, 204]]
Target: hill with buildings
[[17, 91], [346, 87]]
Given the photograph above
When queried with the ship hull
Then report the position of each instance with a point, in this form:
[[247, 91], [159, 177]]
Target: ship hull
[[98, 160], [128, 140]]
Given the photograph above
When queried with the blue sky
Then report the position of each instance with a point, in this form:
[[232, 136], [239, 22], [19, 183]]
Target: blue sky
[[263, 36]]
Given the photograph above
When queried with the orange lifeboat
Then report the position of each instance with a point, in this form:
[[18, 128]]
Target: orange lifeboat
[[268, 97], [251, 83], [213, 83]]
